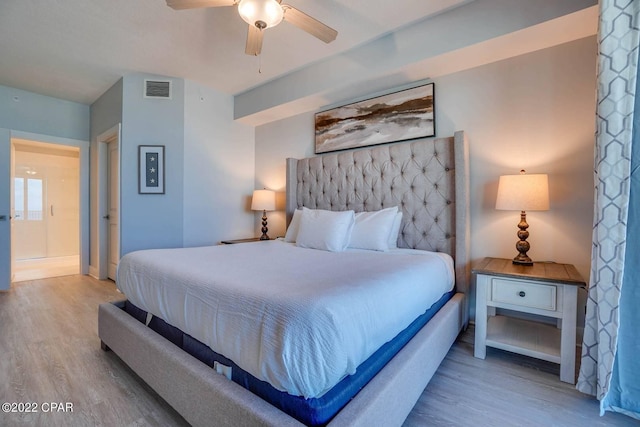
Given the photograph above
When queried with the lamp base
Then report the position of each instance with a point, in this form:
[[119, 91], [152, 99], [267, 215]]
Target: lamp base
[[264, 226], [522, 260], [523, 246]]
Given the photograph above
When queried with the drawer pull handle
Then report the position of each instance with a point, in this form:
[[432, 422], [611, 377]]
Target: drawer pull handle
[[522, 294]]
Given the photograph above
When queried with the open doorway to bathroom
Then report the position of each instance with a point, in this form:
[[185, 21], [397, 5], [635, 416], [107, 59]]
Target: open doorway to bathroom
[[46, 210]]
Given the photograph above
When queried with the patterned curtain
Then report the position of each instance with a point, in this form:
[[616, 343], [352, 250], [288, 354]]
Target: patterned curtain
[[610, 367]]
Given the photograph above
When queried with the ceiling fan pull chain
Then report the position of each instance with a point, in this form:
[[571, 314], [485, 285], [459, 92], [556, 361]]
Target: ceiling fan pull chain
[[259, 64]]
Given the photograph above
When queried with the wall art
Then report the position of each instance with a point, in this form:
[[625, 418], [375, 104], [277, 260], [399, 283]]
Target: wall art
[[151, 169], [398, 116]]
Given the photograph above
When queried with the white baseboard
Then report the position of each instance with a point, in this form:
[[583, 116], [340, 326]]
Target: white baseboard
[[93, 272]]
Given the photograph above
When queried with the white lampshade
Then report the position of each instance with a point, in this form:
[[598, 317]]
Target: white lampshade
[[263, 200], [261, 13], [523, 192]]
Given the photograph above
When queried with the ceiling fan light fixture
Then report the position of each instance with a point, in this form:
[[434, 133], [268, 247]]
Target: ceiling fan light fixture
[[261, 13]]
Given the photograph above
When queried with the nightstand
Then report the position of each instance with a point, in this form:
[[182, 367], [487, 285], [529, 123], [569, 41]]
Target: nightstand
[[250, 239], [543, 289]]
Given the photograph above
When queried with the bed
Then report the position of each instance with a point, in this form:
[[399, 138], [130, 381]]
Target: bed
[[428, 181]]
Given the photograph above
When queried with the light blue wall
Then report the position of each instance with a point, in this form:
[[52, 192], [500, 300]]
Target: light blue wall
[[151, 220], [106, 112], [219, 169], [209, 161], [29, 112], [209, 165]]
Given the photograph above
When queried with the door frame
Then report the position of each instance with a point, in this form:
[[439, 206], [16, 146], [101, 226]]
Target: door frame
[[83, 146], [12, 211], [104, 139]]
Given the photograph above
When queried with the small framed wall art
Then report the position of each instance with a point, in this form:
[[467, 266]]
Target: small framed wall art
[[151, 169], [398, 116]]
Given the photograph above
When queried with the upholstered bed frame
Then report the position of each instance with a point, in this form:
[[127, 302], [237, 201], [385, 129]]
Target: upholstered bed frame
[[428, 180]]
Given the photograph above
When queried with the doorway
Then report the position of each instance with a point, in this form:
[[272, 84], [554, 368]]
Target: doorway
[[46, 210]]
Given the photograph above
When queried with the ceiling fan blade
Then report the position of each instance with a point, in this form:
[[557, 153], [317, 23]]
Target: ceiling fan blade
[[194, 4], [309, 24], [254, 41]]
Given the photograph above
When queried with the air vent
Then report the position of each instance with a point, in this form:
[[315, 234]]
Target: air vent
[[158, 89]]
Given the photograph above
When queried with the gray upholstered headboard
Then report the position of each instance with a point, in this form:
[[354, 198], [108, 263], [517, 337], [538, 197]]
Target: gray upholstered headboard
[[428, 179]]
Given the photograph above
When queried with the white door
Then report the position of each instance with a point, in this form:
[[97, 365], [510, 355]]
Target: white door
[[114, 207], [46, 202], [63, 198]]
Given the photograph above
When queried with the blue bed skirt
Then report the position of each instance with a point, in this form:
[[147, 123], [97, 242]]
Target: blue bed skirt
[[312, 412]]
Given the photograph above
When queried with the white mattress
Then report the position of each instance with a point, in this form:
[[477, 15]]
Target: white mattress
[[300, 319]]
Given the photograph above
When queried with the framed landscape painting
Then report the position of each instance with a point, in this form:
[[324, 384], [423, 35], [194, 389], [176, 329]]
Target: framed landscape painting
[[399, 116]]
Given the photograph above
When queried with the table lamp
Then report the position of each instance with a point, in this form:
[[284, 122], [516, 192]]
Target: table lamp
[[523, 193], [263, 200]]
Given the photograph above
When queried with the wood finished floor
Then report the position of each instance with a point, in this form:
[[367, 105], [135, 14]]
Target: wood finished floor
[[42, 268], [50, 352]]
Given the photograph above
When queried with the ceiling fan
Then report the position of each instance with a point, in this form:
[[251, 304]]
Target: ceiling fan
[[263, 14]]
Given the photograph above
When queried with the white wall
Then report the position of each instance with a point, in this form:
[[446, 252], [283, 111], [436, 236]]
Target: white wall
[[291, 137], [218, 169], [535, 111]]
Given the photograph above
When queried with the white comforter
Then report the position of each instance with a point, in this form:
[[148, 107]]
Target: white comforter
[[300, 319]]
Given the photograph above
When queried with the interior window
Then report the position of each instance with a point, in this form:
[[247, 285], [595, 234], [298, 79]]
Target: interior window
[[34, 199], [28, 199], [18, 198]]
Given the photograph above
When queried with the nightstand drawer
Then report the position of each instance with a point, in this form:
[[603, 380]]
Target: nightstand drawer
[[523, 294]]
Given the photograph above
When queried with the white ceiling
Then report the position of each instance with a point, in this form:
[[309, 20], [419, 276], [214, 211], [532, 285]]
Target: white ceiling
[[77, 49]]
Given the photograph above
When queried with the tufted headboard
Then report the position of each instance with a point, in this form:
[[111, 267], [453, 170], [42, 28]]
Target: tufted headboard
[[427, 179]]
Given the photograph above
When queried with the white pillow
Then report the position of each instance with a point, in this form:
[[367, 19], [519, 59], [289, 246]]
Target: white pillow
[[294, 226], [326, 230], [395, 230], [372, 229]]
